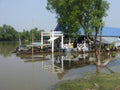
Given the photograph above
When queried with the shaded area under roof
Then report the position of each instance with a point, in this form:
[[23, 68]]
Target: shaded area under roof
[[109, 40]]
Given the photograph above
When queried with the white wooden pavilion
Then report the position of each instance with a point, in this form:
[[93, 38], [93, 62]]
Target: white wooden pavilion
[[53, 35]]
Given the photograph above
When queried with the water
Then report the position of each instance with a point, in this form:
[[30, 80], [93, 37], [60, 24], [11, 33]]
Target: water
[[15, 74], [26, 73]]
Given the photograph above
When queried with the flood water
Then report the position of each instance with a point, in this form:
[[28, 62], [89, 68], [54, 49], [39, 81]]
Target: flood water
[[44, 71]]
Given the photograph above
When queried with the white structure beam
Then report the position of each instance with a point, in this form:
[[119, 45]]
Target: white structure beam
[[53, 35]]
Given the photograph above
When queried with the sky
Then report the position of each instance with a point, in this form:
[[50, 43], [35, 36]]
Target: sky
[[27, 14]]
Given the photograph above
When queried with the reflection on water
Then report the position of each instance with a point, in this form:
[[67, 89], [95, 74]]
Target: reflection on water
[[39, 72], [50, 65], [7, 47], [62, 63]]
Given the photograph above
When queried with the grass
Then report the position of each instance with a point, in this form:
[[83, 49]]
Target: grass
[[95, 82]]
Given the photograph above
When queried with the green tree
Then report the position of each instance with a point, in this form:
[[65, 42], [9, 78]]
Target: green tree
[[23, 35], [76, 14], [8, 33], [1, 33], [36, 34], [66, 16], [97, 15]]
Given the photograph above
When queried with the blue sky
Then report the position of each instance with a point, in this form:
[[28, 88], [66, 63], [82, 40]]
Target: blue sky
[[27, 14]]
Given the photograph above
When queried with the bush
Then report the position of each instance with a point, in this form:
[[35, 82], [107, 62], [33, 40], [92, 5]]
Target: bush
[[113, 54]]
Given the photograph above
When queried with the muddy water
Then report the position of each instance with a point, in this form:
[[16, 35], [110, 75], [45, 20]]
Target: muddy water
[[41, 73]]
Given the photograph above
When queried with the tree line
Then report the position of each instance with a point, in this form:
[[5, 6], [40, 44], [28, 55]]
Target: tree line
[[8, 33]]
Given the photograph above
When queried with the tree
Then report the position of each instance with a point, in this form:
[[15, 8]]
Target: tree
[[66, 15], [97, 15], [8, 33], [1, 33], [76, 14], [36, 34], [28, 35]]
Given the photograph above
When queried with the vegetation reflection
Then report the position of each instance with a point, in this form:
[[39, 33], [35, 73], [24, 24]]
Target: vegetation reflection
[[6, 48]]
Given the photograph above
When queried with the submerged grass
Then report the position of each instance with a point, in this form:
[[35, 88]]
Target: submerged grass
[[94, 82]]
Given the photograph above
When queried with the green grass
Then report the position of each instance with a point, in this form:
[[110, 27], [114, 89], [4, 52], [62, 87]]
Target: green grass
[[95, 82]]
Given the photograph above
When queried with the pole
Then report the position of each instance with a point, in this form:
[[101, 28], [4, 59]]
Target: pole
[[32, 40], [52, 41], [62, 41], [42, 40]]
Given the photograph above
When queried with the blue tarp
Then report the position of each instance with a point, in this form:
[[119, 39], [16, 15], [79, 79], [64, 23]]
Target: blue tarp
[[109, 31], [106, 31]]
